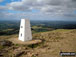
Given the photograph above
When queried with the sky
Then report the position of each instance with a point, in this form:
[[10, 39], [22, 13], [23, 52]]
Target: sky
[[38, 10]]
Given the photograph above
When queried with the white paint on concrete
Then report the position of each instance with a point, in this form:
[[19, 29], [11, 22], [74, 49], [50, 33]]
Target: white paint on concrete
[[25, 30]]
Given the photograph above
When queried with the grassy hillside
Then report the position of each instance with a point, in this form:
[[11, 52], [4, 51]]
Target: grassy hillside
[[53, 42]]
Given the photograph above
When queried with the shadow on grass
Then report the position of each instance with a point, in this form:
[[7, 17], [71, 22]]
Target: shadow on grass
[[37, 44]]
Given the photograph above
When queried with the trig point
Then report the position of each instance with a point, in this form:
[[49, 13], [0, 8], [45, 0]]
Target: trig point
[[25, 30]]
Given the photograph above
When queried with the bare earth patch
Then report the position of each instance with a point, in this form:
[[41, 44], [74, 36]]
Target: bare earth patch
[[17, 41]]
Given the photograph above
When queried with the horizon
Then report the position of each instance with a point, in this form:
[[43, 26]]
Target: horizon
[[37, 20]]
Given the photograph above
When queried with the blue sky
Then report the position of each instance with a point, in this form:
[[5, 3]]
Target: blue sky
[[38, 9], [5, 2]]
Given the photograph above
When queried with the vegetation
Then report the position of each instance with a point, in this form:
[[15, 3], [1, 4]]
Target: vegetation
[[1, 47], [56, 36], [33, 45], [9, 27], [53, 42], [12, 27]]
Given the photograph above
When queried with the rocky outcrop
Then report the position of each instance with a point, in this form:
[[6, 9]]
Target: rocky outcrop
[[5, 43]]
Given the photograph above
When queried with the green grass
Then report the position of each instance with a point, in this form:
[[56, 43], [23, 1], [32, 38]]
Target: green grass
[[33, 45], [17, 45], [33, 56], [35, 27]]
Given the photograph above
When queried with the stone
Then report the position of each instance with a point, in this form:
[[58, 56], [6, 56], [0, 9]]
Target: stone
[[19, 53], [25, 30], [5, 43]]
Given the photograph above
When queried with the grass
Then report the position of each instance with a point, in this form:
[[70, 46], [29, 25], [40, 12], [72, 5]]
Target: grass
[[36, 27], [33, 56], [37, 45], [54, 41], [7, 30], [33, 45], [17, 45], [1, 47], [62, 30]]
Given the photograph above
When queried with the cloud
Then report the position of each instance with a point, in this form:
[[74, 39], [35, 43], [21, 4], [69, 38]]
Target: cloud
[[43, 5], [1, 0], [24, 5], [49, 8], [3, 8], [70, 15]]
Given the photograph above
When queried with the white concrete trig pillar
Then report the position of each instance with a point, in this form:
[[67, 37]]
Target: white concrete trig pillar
[[25, 30]]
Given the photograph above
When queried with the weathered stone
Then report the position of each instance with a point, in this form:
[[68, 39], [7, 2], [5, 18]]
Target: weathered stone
[[19, 53], [1, 55], [30, 54], [5, 43], [36, 54]]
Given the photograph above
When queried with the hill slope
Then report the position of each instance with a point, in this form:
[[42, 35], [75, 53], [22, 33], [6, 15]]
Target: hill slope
[[58, 40], [54, 42]]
